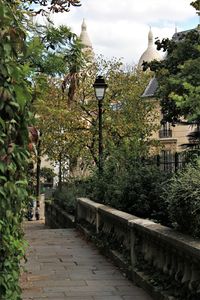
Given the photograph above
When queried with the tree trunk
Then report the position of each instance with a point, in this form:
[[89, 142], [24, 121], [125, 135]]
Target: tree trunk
[[38, 167], [60, 172]]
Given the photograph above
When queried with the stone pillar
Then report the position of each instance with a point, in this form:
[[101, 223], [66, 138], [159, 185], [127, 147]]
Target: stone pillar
[[41, 200]]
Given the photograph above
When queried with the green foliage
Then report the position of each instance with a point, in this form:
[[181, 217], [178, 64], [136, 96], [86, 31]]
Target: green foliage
[[178, 77], [142, 191], [12, 249], [17, 66], [183, 196], [127, 121], [74, 125], [196, 5], [170, 199], [66, 197], [54, 6], [132, 187], [14, 117], [49, 50], [47, 173]]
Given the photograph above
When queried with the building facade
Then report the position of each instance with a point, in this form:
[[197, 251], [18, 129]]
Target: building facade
[[171, 137]]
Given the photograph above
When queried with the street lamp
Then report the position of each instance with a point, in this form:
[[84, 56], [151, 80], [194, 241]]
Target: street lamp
[[100, 88]]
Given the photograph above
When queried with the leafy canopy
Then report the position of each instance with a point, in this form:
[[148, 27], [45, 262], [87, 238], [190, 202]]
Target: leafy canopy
[[178, 75], [179, 78], [54, 6], [75, 127]]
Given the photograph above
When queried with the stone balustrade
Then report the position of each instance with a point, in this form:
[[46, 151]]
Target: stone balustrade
[[150, 245], [88, 212]]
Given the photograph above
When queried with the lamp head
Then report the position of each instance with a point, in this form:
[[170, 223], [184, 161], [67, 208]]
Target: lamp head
[[100, 87]]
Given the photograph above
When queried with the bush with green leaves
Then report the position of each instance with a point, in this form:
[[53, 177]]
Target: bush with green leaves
[[132, 187], [142, 193], [145, 191], [47, 174], [183, 197], [66, 196]]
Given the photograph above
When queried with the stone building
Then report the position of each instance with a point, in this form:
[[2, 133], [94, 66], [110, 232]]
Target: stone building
[[171, 137]]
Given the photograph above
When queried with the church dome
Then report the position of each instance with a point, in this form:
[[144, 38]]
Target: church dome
[[151, 53], [84, 36]]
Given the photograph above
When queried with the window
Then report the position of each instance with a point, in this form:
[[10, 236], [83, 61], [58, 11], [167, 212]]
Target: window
[[165, 131]]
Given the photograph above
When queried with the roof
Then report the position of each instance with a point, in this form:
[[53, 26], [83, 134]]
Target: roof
[[177, 36], [151, 88]]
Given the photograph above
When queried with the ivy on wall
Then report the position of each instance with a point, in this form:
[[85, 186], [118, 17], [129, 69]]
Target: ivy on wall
[[15, 101], [14, 117]]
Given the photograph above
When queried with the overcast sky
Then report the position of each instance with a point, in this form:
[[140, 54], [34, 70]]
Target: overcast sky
[[119, 28]]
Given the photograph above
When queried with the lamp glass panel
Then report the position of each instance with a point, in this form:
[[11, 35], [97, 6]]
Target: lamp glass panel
[[99, 92]]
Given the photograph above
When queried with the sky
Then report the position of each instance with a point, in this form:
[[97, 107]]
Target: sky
[[119, 28]]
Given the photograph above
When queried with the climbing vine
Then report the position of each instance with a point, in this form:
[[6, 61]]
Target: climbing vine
[[14, 117], [15, 103]]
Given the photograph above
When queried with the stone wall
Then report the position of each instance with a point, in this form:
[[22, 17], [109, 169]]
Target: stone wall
[[161, 260]]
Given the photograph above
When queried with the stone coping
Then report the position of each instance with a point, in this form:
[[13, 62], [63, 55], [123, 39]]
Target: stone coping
[[89, 203], [161, 234], [168, 236], [107, 210], [118, 215]]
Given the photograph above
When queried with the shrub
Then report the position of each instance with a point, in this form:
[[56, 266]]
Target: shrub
[[134, 188], [66, 197], [183, 196], [142, 193]]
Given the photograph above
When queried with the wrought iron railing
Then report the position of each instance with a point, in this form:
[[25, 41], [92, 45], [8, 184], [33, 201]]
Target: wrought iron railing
[[172, 163], [165, 133]]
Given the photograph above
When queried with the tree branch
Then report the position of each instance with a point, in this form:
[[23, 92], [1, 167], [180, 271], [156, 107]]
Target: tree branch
[[54, 6]]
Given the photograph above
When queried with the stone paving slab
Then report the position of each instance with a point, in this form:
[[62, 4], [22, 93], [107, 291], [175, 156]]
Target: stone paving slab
[[63, 265]]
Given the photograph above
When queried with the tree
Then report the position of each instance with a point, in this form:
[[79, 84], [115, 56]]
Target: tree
[[125, 115], [47, 174], [178, 76], [51, 53], [59, 124], [196, 5], [54, 6], [127, 120], [48, 50]]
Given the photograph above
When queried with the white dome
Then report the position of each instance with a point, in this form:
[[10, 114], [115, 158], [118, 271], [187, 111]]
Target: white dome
[[84, 36], [150, 53]]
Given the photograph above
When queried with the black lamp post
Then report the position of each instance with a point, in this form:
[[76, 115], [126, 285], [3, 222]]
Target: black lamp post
[[100, 88]]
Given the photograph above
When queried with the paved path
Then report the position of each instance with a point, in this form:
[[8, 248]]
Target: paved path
[[62, 265]]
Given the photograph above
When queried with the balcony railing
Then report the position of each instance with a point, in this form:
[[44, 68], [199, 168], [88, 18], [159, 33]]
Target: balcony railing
[[165, 133]]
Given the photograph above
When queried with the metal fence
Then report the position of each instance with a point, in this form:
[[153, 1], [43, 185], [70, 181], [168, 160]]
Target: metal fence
[[167, 161]]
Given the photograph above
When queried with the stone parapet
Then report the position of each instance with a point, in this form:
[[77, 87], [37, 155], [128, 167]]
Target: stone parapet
[[150, 248]]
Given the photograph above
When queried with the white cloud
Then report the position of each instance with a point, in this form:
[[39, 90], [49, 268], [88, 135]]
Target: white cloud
[[120, 28]]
